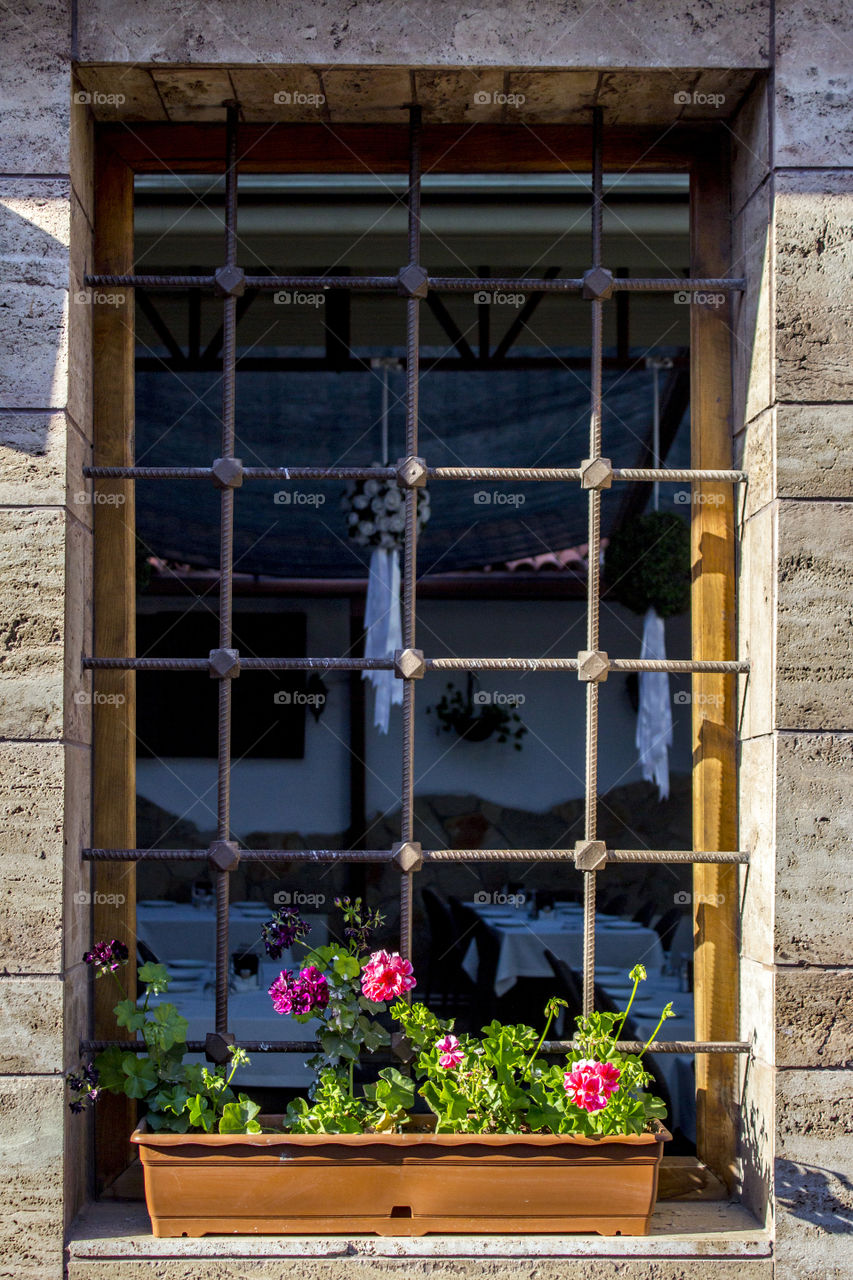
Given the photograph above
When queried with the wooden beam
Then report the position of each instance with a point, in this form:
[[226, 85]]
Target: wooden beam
[[715, 888], [114, 781], [380, 148]]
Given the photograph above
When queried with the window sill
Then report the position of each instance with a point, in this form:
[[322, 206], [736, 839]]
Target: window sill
[[712, 1231]]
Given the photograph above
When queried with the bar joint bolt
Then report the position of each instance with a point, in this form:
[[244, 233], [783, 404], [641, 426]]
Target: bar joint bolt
[[227, 473], [224, 664], [593, 665], [413, 281], [408, 855], [596, 473], [590, 855], [409, 664], [217, 1046], [223, 855], [230, 282], [411, 472], [597, 284]]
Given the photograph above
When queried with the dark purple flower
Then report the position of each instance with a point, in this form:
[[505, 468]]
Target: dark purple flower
[[280, 933], [106, 957], [86, 1084]]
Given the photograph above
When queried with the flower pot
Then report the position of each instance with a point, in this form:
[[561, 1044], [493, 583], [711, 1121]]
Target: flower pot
[[398, 1184]]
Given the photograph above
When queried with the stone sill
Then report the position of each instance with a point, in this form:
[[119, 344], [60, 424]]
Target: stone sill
[[702, 1230]]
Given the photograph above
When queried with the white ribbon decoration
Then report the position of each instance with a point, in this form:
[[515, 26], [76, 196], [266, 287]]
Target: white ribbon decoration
[[654, 717], [384, 631]]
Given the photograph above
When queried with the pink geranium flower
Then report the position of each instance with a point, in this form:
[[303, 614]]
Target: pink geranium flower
[[591, 1084], [385, 976], [299, 995], [450, 1054]]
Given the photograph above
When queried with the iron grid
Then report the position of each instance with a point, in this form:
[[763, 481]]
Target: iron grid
[[230, 281]]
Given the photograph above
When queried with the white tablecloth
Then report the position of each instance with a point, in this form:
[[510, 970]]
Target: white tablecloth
[[180, 931], [250, 1017], [523, 943]]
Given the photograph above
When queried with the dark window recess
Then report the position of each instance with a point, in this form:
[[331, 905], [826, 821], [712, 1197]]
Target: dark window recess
[[178, 716]]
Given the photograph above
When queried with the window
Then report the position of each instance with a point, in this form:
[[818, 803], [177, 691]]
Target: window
[[712, 664]]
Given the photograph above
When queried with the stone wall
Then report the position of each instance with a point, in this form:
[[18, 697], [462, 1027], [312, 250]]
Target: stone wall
[[791, 209], [792, 219], [46, 531]]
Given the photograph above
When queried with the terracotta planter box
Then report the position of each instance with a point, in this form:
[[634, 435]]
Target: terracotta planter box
[[397, 1184]]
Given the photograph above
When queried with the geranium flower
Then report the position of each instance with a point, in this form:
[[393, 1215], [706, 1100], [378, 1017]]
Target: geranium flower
[[305, 993], [591, 1084], [106, 957], [385, 976], [450, 1053], [280, 933]]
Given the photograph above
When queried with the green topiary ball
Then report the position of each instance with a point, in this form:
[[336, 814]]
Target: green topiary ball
[[647, 564]]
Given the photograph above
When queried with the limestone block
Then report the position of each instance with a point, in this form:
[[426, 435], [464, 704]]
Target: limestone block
[[751, 257], [32, 623], [35, 87], [553, 33], [121, 93], [814, 679], [76, 930], [193, 95], [378, 96], [756, 1007], [814, 1017], [42, 457], [757, 591], [750, 136], [32, 1113], [756, 810], [281, 94], [31, 1025], [814, 263], [34, 232], [814, 848], [755, 453], [813, 113], [813, 1167], [814, 450], [31, 823]]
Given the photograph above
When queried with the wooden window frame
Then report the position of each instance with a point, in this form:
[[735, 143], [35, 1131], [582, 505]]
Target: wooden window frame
[[701, 151]]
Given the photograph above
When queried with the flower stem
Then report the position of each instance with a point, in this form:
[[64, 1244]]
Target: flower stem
[[662, 1020], [618, 1027], [532, 1057]]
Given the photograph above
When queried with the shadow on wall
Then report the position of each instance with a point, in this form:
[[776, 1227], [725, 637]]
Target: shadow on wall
[[820, 1196]]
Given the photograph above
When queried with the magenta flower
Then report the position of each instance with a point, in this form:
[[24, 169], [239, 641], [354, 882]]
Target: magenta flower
[[450, 1054], [385, 976], [300, 995], [591, 1084]]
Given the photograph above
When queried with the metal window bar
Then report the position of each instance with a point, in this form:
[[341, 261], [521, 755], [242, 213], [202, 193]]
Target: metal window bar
[[592, 665]]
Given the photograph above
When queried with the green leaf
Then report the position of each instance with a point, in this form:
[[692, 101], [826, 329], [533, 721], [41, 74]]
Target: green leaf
[[141, 1075], [346, 966], [127, 1015], [155, 976], [109, 1066]]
